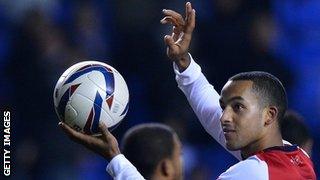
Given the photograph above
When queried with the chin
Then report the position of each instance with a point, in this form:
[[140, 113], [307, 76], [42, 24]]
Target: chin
[[232, 147]]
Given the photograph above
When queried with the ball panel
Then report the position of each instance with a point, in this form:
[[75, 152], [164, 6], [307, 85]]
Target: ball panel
[[122, 92], [70, 114], [57, 91], [97, 113], [107, 119], [103, 79], [83, 107], [125, 110], [118, 110], [60, 108], [88, 89], [61, 88]]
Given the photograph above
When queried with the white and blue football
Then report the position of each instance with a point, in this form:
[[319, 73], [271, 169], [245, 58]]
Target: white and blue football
[[88, 93]]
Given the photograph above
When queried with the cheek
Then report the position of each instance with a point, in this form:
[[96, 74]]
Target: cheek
[[250, 125]]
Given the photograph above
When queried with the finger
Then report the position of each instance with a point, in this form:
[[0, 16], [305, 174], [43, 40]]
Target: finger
[[173, 21], [187, 10], [176, 33], [168, 20], [190, 21], [104, 129], [74, 135], [188, 29], [169, 41], [172, 47], [172, 13], [67, 129], [106, 135]]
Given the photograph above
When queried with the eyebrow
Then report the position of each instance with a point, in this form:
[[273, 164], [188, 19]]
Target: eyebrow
[[232, 99]]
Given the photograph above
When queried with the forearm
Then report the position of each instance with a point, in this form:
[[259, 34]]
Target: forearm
[[202, 97]]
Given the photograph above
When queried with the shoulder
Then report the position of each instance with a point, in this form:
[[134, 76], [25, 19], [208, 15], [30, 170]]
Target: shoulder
[[251, 168]]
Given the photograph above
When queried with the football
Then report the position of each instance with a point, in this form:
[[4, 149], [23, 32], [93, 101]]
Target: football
[[90, 92]]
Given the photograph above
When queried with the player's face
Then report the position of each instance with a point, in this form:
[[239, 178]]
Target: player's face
[[177, 159], [241, 119]]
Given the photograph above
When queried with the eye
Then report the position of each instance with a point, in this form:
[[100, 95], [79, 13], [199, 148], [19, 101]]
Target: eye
[[238, 107]]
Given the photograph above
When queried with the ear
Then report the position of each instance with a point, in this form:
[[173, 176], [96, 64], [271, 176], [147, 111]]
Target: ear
[[166, 168], [271, 115]]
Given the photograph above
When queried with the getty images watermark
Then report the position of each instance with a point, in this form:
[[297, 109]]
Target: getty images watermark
[[6, 143]]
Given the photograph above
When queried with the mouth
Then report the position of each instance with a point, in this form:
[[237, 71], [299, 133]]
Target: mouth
[[226, 130], [228, 133]]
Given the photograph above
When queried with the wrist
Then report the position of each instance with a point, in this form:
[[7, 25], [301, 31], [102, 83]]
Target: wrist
[[111, 154], [183, 62], [110, 157]]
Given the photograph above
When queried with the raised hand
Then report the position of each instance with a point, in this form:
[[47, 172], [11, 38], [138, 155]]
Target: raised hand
[[106, 145], [179, 41]]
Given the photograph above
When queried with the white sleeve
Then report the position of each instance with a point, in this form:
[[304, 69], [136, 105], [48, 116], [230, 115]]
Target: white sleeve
[[120, 168], [203, 99], [251, 168]]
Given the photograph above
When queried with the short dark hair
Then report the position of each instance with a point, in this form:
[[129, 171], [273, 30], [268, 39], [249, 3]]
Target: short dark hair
[[268, 87], [145, 145], [293, 128]]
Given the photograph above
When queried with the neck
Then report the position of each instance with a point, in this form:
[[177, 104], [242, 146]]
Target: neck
[[266, 141]]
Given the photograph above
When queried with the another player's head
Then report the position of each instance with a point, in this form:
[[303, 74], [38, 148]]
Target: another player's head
[[154, 149], [253, 105], [295, 131]]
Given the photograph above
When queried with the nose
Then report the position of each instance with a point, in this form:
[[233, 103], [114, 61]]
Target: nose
[[226, 116]]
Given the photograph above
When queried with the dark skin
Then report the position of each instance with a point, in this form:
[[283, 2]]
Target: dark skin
[[105, 145], [179, 41], [247, 124], [251, 127]]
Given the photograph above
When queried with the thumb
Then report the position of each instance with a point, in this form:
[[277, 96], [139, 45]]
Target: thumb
[[103, 129], [169, 40]]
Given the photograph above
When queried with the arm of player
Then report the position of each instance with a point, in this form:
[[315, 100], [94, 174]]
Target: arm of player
[[204, 100], [105, 145], [201, 95]]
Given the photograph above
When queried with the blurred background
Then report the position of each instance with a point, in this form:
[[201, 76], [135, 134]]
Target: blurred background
[[39, 39]]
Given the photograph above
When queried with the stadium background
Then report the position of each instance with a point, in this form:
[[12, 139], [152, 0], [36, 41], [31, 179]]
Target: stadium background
[[39, 39]]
